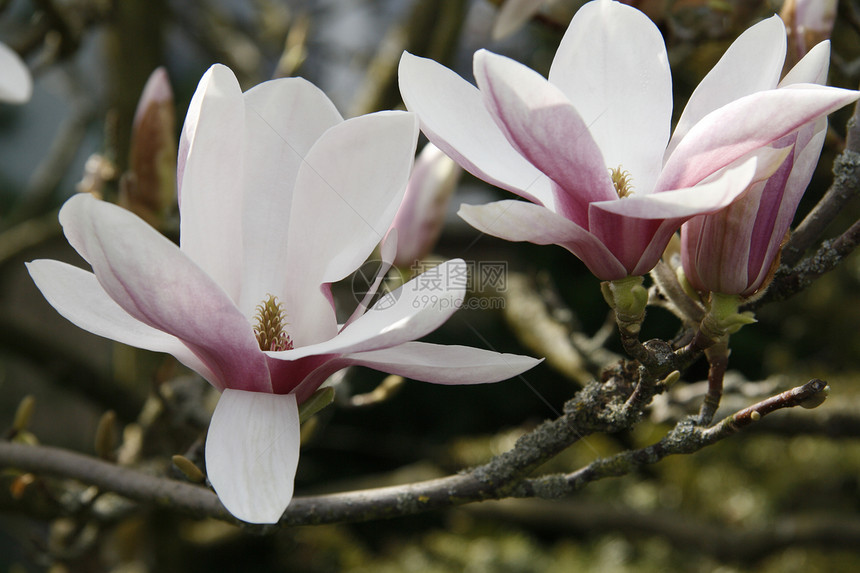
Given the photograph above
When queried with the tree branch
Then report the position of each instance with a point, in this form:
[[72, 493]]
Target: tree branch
[[501, 477], [685, 438]]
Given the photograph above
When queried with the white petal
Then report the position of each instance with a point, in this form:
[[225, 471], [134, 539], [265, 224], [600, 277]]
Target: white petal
[[612, 66], [745, 125], [347, 193], [752, 63], [16, 83], [812, 69], [454, 118], [283, 120], [703, 198], [210, 178], [415, 309], [443, 364], [78, 297], [252, 452]]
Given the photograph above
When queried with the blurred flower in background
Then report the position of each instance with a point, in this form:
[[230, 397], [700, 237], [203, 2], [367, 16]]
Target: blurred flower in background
[[16, 83], [807, 23]]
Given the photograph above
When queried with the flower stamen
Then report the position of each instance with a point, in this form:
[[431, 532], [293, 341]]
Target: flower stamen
[[270, 325], [621, 181]]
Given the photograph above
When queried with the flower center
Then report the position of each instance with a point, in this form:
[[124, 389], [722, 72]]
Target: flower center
[[270, 323], [621, 181]]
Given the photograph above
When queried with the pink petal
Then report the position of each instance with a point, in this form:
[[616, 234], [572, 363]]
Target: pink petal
[[454, 118], [252, 452], [347, 193], [78, 297], [522, 221], [612, 66], [210, 178], [745, 125], [544, 127], [722, 246], [422, 214], [443, 364], [283, 119], [157, 284], [752, 63], [805, 161]]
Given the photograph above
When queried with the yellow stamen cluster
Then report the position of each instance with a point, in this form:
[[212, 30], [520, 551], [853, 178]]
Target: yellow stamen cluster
[[270, 325], [621, 181]]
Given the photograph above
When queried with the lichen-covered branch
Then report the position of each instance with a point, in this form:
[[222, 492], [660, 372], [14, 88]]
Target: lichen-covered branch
[[598, 407], [685, 438]]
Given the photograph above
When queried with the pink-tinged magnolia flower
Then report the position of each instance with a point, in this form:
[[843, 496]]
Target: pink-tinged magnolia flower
[[16, 83], [733, 250], [588, 147], [279, 197], [419, 220]]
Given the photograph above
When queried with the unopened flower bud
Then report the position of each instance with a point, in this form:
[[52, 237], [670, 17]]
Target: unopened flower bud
[[106, 436], [24, 413], [318, 400], [149, 187], [188, 469], [422, 213]]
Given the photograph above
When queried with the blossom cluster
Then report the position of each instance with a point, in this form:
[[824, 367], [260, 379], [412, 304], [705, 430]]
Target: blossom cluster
[[280, 197]]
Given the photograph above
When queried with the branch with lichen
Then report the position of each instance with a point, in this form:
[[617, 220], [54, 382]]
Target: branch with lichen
[[599, 407]]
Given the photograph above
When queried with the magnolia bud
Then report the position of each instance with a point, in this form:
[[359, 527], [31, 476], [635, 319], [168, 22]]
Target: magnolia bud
[[149, 187], [422, 213]]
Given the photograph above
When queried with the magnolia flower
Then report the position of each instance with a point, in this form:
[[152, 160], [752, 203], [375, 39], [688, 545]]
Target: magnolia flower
[[734, 250], [16, 83], [422, 213], [279, 197], [588, 147]]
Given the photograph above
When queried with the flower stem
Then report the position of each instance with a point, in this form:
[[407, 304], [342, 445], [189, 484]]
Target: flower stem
[[718, 360], [628, 298]]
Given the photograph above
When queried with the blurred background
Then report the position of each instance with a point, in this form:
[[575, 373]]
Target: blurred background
[[783, 496]]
